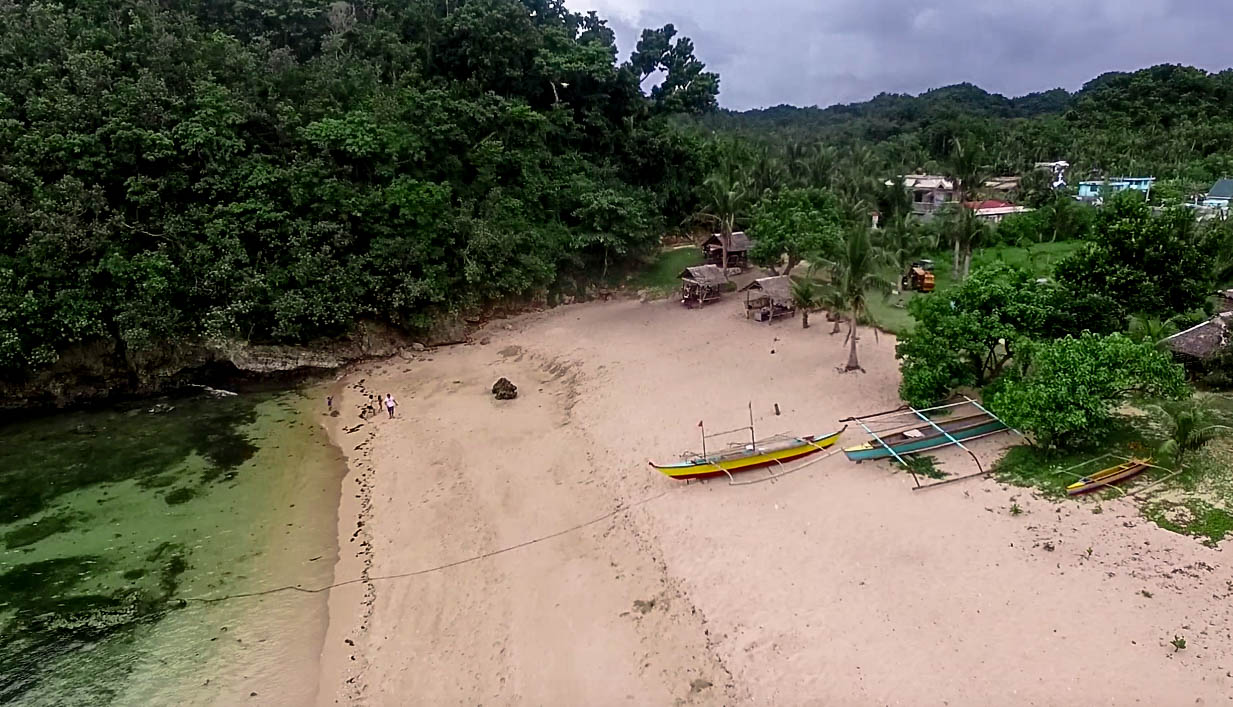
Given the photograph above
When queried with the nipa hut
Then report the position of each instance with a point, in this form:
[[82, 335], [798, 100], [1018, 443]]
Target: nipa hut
[[768, 298], [1202, 342], [701, 284], [1224, 301], [737, 246]]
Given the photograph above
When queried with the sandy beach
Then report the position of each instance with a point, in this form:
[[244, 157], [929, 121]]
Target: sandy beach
[[523, 552]]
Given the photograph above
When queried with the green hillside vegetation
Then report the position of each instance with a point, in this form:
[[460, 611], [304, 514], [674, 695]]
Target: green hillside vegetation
[[1168, 121], [276, 172], [179, 172]]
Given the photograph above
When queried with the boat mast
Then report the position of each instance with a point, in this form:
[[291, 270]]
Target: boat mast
[[753, 439]]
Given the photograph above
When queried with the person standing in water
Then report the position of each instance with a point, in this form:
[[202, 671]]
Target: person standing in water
[[389, 404]]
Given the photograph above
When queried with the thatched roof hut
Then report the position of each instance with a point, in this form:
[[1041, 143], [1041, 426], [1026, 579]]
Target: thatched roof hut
[[709, 275], [738, 242], [1202, 341], [736, 246], [778, 289], [770, 295], [1224, 301], [701, 284]]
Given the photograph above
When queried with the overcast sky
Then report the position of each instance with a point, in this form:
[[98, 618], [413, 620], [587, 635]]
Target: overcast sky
[[820, 52]]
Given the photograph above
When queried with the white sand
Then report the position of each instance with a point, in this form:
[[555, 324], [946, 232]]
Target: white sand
[[837, 585]]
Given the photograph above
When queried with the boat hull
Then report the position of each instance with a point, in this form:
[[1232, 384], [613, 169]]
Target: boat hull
[[705, 469], [1102, 479], [872, 450]]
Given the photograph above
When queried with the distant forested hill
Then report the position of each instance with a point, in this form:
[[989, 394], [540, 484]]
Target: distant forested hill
[[1167, 121]]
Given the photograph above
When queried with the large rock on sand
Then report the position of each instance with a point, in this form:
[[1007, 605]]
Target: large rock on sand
[[504, 390]]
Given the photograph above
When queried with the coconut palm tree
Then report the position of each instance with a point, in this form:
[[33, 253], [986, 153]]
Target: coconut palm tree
[[725, 198], [764, 172], [854, 273], [965, 167], [1191, 424], [1151, 329], [831, 299], [902, 240], [805, 297], [967, 232]]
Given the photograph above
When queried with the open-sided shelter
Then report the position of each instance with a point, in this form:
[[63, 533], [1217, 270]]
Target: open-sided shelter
[[768, 298], [701, 284]]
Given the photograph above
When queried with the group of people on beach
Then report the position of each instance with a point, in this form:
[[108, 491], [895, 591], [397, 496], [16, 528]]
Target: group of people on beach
[[389, 402]]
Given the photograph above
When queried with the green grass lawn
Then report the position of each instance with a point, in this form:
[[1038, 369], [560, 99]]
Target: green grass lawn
[[660, 275], [1198, 501], [891, 313]]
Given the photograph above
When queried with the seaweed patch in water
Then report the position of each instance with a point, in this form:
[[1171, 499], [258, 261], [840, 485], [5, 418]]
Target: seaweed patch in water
[[34, 531], [53, 616], [35, 585], [40, 460], [180, 495], [157, 482]]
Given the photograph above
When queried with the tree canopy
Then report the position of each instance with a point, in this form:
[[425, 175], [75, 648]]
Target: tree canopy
[[276, 172], [966, 335], [1144, 263], [795, 224], [1064, 391]]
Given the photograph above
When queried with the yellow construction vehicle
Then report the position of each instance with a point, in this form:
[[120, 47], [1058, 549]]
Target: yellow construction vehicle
[[919, 277]]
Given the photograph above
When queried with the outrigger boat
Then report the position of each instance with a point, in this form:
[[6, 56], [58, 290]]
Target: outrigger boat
[[928, 428], [1113, 474], [928, 434], [759, 453]]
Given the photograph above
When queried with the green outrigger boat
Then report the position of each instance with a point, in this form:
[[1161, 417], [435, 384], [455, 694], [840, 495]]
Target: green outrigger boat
[[925, 436]]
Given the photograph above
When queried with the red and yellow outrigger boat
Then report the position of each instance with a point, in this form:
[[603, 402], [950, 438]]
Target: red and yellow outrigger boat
[[752, 455]]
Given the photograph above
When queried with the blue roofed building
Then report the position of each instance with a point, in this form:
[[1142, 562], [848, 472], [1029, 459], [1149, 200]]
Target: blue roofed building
[[1097, 189], [1220, 195]]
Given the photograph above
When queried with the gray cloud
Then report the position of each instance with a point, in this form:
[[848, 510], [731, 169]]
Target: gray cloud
[[839, 51]]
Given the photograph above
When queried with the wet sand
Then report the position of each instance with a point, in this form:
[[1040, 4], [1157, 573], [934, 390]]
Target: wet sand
[[612, 584]]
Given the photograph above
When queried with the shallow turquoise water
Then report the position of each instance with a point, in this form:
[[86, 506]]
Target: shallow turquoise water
[[116, 524]]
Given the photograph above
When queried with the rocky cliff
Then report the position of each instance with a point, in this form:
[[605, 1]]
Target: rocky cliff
[[98, 370]]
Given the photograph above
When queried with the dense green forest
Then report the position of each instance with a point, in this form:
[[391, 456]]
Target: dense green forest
[[1168, 121], [277, 170]]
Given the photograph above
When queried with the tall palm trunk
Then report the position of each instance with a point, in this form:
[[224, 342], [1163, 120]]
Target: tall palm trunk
[[853, 363], [805, 318]]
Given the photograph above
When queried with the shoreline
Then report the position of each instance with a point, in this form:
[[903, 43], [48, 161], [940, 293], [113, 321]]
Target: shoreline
[[837, 584], [342, 659]]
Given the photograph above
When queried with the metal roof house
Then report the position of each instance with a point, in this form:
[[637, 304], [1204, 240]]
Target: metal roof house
[[1095, 189], [929, 192], [1003, 185], [1220, 195], [1057, 170], [993, 210]]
